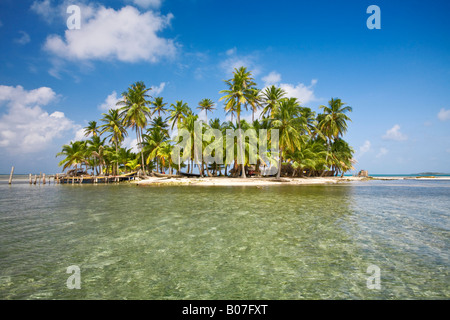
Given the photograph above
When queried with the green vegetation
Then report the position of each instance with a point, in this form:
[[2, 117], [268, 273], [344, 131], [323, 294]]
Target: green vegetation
[[310, 144]]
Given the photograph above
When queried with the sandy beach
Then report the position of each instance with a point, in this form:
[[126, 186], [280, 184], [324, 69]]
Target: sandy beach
[[224, 181]]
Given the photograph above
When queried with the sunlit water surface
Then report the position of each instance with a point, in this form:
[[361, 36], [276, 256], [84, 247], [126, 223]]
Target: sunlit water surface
[[181, 242]]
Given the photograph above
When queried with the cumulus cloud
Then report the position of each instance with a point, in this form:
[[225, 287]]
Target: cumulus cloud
[[130, 142], [304, 93], [234, 61], [156, 90], [126, 35], [26, 127], [444, 115], [110, 102], [395, 134], [23, 39], [271, 79], [364, 148]]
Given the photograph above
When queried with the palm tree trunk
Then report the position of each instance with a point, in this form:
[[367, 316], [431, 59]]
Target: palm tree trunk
[[280, 161], [240, 146], [139, 138]]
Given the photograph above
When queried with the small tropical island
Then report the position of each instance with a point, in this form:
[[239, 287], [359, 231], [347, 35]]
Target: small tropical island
[[310, 145]]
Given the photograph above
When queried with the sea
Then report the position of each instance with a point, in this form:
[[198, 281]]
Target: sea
[[356, 240]]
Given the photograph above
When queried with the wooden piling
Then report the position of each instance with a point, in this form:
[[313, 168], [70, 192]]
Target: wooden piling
[[11, 175], [31, 180], [35, 178], [43, 178]]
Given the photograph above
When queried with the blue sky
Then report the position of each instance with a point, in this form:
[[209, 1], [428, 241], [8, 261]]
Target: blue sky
[[54, 80]]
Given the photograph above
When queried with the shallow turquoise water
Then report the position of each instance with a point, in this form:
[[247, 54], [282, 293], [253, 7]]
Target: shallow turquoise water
[[292, 242]]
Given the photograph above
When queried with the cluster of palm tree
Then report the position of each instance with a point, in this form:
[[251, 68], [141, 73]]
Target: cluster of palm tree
[[309, 144]]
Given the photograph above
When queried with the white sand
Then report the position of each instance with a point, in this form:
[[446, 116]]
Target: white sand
[[223, 181]]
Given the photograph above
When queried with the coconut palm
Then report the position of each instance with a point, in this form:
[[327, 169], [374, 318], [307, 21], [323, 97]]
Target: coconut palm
[[135, 111], [206, 105], [291, 127], [333, 120], [270, 99], [159, 106], [91, 129], [114, 126], [240, 93], [255, 102], [152, 143], [74, 153], [96, 149], [177, 113]]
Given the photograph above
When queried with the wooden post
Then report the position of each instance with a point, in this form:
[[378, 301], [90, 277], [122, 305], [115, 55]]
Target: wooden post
[[43, 178], [35, 178], [11, 175], [31, 180]]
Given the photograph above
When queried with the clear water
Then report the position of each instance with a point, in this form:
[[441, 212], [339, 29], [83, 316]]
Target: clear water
[[293, 242]]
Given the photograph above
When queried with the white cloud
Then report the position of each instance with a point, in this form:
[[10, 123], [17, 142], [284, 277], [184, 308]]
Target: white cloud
[[156, 90], [126, 35], [131, 143], [24, 38], [79, 135], [110, 102], [300, 91], [235, 61], [444, 115], [148, 3], [383, 151], [272, 79], [58, 13], [395, 134], [303, 93], [26, 127], [364, 148], [44, 9]]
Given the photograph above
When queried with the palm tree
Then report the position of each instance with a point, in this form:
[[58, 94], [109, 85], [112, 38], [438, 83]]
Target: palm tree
[[74, 153], [152, 143], [160, 124], [135, 111], [91, 129], [342, 156], [177, 113], [291, 128], [271, 98], [96, 149], [240, 93], [207, 105], [114, 126], [333, 120], [255, 102], [159, 106]]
